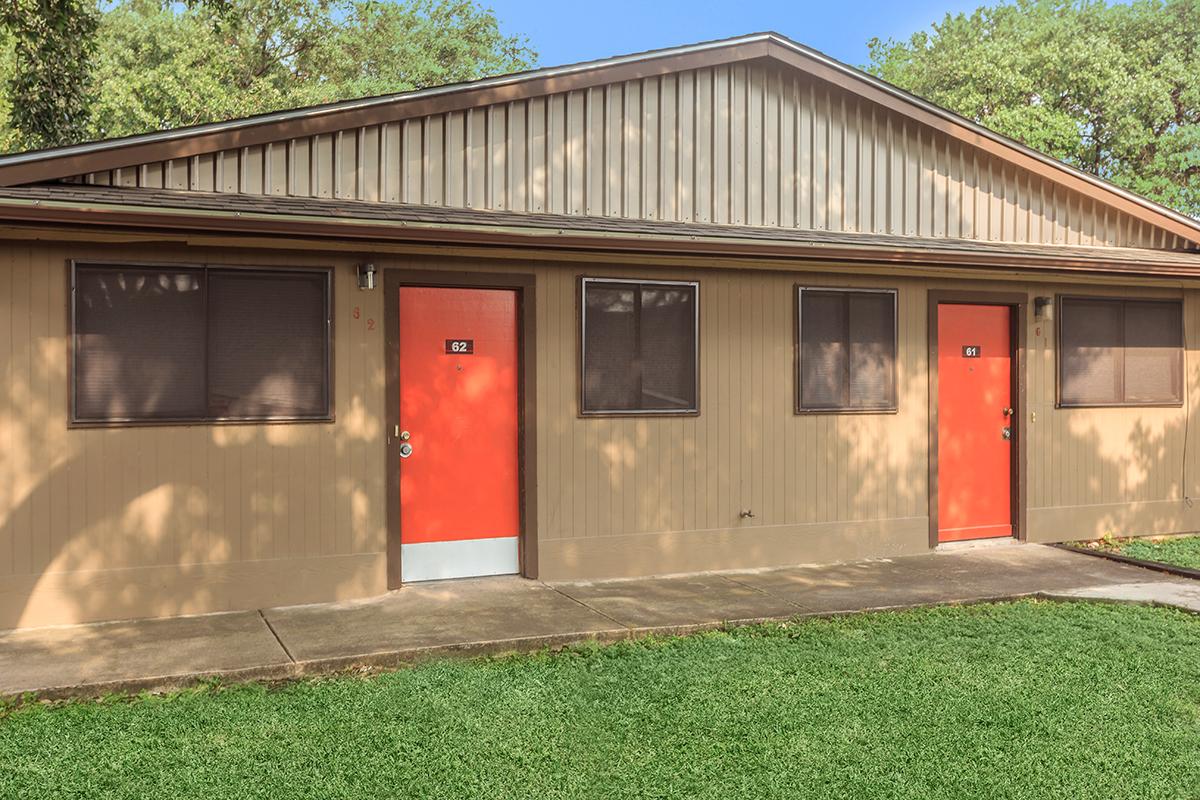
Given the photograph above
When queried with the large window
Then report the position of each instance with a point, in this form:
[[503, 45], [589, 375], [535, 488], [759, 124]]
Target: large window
[[1116, 352], [194, 344], [847, 350], [639, 346]]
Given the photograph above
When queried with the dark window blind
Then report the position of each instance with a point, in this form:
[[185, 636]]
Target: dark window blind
[[139, 343], [610, 368], [823, 359], [267, 345], [1120, 352], [639, 347], [872, 349], [158, 344], [847, 350]]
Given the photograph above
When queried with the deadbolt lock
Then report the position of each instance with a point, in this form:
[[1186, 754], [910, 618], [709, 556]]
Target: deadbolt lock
[[405, 436], [1006, 432], [1008, 412]]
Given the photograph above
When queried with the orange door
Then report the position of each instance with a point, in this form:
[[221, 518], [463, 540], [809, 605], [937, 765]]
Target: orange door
[[975, 422], [459, 484]]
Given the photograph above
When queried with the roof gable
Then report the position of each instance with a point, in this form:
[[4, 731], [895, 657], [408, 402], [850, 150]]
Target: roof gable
[[756, 130]]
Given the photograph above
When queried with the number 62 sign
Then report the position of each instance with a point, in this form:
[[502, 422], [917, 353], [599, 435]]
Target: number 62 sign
[[460, 347]]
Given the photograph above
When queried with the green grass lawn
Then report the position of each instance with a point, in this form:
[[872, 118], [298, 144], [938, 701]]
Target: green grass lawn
[[1028, 699], [1183, 551]]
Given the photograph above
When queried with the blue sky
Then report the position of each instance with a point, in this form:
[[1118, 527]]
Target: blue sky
[[563, 32]]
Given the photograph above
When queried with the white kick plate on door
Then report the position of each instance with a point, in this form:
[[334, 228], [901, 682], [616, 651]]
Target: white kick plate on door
[[466, 558]]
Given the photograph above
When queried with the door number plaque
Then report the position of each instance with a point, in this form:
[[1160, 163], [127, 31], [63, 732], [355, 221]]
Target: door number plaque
[[460, 347], [971, 351]]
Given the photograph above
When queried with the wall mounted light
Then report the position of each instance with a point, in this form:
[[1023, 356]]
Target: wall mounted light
[[1043, 309], [366, 276]]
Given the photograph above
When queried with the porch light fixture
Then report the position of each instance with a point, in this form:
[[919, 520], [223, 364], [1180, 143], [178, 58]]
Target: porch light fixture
[[1043, 309], [366, 276]]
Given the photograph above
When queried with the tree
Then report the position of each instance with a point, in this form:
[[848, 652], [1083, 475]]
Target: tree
[[162, 66], [47, 51], [1112, 90], [159, 64]]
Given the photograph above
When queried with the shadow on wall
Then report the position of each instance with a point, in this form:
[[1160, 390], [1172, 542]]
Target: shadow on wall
[[831, 479], [859, 479], [76, 504], [129, 521], [1120, 471]]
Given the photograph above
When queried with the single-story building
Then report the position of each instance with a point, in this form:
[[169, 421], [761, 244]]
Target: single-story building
[[720, 306]]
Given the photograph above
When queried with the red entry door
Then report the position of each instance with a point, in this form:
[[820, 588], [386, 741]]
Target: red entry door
[[459, 484], [975, 422]]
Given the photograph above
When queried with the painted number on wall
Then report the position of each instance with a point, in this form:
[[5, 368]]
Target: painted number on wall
[[356, 312], [460, 347]]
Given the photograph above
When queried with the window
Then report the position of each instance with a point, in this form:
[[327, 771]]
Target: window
[[1120, 352], [639, 346], [847, 350], [184, 344]]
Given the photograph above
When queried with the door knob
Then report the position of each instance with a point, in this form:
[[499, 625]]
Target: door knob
[[405, 450], [1005, 432]]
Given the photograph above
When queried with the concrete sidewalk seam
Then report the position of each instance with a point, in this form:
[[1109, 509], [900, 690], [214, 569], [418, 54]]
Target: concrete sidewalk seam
[[275, 633], [765, 593], [594, 610]]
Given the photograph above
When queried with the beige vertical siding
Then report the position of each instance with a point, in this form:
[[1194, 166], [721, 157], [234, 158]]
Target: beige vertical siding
[[743, 144], [1117, 471], [629, 496], [109, 523]]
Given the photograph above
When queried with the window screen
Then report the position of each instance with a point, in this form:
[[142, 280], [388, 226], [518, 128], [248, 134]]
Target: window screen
[[847, 350], [639, 346], [196, 344], [1120, 352]]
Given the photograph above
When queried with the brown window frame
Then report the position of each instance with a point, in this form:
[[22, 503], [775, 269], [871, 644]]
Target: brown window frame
[[798, 348], [75, 421], [636, 283], [1060, 361]]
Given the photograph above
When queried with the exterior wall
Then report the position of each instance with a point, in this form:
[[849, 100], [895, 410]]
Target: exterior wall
[[1124, 471], [160, 520], [121, 522], [751, 143]]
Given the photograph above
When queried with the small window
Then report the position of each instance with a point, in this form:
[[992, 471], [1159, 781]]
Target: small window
[[847, 350], [639, 347], [194, 344], [1115, 352]]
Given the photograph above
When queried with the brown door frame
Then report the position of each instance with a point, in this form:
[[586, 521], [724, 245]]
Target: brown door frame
[[1016, 303], [393, 279]]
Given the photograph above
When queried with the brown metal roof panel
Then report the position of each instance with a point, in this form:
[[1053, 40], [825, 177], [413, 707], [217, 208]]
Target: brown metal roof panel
[[299, 217]]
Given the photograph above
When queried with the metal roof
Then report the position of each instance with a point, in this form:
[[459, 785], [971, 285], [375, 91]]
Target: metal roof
[[299, 217]]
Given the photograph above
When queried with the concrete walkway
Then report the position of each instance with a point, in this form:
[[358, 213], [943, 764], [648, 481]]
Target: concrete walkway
[[489, 615]]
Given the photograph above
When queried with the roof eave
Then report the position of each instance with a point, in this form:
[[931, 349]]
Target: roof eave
[[297, 226]]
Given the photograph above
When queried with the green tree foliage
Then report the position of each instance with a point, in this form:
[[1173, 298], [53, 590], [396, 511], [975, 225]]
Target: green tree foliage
[[1113, 90], [46, 56], [160, 64]]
